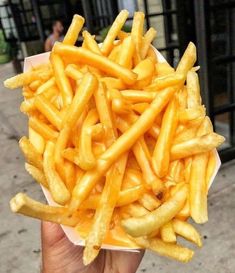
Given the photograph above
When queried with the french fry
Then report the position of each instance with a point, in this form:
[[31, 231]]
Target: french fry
[[61, 79], [91, 43], [113, 56], [120, 106], [87, 158], [72, 155], [137, 33], [43, 129], [163, 69], [196, 145], [182, 96], [22, 204], [140, 107], [37, 174], [45, 86], [122, 35], [104, 211], [82, 55], [191, 114], [27, 106], [176, 169], [161, 153], [165, 81], [134, 210], [153, 220], [34, 85], [113, 83], [74, 29], [143, 159], [113, 32], [186, 134], [149, 201], [193, 89], [60, 145], [57, 187], [69, 174], [187, 231], [185, 212], [169, 250], [73, 72], [37, 140], [188, 59], [27, 78], [197, 181], [81, 98], [168, 233], [125, 197], [146, 42], [135, 96], [126, 52], [32, 156], [48, 110]]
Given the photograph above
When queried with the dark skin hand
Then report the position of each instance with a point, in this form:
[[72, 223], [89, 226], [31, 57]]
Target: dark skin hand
[[59, 255]]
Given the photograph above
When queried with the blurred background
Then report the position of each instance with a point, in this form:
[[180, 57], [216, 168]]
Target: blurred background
[[210, 24]]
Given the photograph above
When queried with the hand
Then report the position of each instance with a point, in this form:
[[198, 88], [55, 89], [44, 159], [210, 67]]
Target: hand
[[59, 255]]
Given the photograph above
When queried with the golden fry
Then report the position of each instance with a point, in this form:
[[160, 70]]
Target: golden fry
[[169, 250], [80, 100], [45, 86], [32, 156], [147, 224], [113, 32], [85, 56], [37, 174], [146, 42], [61, 79], [48, 110], [105, 209], [187, 231], [74, 29], [87, 158], [126, 52], [168, 233], [188, 59], [193, 89], [91, 43], [135, 96], [57, 187], [163, 69], [187, 115], [22, 204], [37, 140], [137, 33], [161, 153], [196, 145], [43, 129], [165, 81], [73, 72]]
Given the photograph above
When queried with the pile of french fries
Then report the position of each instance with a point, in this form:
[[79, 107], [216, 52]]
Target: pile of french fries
[[121, 141]]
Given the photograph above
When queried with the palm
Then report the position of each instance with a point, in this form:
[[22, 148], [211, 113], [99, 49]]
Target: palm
[[60, 255]]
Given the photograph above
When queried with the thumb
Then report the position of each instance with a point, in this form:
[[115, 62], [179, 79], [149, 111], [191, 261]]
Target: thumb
[[51, 233]]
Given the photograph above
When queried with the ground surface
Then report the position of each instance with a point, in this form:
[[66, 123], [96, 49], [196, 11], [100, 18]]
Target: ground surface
[[20, 236]]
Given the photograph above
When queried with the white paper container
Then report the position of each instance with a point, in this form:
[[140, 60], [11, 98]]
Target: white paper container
[[70, 232]]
